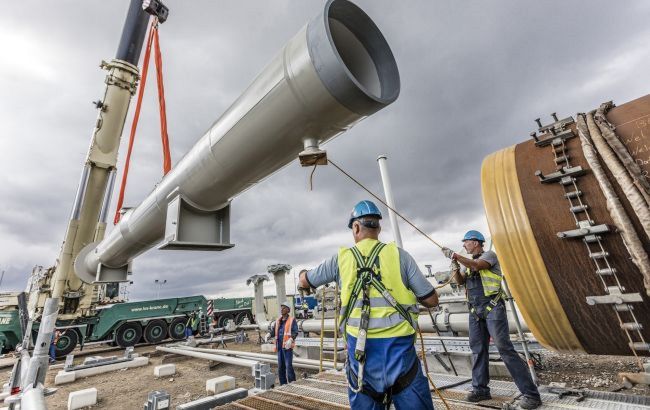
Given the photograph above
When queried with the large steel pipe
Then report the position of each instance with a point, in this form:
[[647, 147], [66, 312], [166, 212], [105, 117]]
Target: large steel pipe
[[445, 321], [336, 71], [567, 261]]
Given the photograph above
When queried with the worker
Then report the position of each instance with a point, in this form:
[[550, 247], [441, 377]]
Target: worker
[[382, 364], [488, 318], [191, 326], [56, 335], [285, 332]]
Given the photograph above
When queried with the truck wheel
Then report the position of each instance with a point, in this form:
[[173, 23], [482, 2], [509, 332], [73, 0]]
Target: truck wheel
[[155, 331], [223, 320], [239, 319], [66, 343], [128, 334], [177, 328]]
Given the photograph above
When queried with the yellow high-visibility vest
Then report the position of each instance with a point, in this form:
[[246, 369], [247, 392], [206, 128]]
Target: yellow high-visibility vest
[[385, 321]]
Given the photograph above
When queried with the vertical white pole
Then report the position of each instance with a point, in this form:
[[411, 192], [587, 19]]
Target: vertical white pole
[[388, 193]]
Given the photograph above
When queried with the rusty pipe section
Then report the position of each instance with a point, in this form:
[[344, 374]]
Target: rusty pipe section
[[336, 71]]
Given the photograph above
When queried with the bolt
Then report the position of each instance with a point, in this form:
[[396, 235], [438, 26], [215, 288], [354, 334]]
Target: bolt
[[534, 136], [539, 122], [554, 115]]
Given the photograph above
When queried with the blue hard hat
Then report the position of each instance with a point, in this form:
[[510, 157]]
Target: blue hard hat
[[363, 208], [473, 235]]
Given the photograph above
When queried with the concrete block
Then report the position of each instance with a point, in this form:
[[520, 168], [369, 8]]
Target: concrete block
[[498, 369], [268, 348], [164, 370], [209, 402], [64, 377], [220, 384], [82, 398]]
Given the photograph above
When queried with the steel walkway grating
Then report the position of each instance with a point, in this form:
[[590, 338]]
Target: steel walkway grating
[[328, 390]]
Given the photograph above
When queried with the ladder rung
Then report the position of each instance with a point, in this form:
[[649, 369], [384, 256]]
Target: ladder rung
[[567, 181], [623, 308], [631, 326], [599, 255], [573, 194], [563, 158], [579, 208], [592, 238], [606, 271], [640, 346]]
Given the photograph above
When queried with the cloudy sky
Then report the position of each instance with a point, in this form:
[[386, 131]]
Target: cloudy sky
[[475, 74]]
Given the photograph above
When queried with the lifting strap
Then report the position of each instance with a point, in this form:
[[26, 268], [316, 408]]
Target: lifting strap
[[153, 38]]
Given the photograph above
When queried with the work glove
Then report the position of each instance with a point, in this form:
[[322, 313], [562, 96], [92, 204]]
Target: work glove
[[448, 253], [267, 336], [288, 343]]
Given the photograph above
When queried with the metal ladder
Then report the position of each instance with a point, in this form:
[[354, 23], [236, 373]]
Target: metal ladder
[[589, 231]]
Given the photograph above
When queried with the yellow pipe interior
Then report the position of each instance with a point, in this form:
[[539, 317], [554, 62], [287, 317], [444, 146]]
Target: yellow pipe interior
[[519, 255]]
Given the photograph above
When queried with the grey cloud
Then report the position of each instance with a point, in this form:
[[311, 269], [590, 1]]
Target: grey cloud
[[474, 76]]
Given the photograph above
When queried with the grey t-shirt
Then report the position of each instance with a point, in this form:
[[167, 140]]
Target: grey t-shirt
[[412, 277], [475, 292]]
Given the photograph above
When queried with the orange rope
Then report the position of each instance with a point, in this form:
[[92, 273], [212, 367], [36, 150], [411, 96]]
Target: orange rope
[[153, 35], [167, 159]]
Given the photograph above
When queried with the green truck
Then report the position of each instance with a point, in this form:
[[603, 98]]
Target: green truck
[[237, 309], [129, 323]]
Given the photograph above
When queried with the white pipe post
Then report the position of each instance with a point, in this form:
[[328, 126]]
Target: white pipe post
[[388, 193], [279, 273], [258, 285]]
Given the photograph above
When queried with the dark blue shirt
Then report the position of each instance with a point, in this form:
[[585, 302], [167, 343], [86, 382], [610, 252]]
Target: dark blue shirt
[[280, 336], [475, 294]]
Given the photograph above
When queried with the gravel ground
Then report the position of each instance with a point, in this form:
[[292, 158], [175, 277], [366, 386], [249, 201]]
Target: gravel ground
[[587, 371], [128, 388]]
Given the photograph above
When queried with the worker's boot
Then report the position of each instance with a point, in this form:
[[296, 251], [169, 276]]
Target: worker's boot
[[527, 402], [475, 397]]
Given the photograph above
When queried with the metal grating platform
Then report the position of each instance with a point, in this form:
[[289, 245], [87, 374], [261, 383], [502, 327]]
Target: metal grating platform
[[328, 391]]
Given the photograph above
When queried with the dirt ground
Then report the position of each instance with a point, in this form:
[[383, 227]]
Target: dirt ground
[[584, 371], [127, 389]]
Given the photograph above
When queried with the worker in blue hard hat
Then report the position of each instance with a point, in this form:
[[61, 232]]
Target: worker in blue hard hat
[[381, 286], [482, 277]]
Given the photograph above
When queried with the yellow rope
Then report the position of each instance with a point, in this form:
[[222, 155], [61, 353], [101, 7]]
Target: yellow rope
[[424, 360], [322, 326], [336, 324], [426, 369]]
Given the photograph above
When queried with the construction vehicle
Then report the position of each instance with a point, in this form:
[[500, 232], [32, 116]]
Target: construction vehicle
[[126, 323], [78, 300], [240, 310]]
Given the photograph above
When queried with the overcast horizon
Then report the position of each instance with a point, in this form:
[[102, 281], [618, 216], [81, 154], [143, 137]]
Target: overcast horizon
[[474, 76]]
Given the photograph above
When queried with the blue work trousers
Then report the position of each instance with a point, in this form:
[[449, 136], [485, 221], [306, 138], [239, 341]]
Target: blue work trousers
[[52, 352], [285, 366], [415, 397], [496, 325], [386, 360]]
